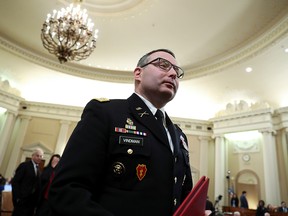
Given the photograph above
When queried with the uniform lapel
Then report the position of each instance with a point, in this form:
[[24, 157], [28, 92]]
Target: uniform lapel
[[174, 134], [143, 114]]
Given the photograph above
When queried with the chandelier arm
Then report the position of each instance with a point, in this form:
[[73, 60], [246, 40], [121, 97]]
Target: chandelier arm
[[52, 40], [86, 41], [59, 34], [75, 42], [48, 43]]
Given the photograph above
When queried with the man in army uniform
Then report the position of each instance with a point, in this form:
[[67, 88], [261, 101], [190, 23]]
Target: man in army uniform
[[123, 161]]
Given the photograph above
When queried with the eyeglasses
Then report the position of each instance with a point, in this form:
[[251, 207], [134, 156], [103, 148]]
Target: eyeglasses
[[166, 66]]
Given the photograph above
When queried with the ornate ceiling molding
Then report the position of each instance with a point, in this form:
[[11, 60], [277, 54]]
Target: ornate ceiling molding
[[112, 7], [9, 101], [246, 51]]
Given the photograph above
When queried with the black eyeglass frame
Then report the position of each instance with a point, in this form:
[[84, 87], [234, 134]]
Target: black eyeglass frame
[[179, 71]]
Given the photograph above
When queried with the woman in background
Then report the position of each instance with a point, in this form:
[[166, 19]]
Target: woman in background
[[46, 179], [261, 209], [234, 200]]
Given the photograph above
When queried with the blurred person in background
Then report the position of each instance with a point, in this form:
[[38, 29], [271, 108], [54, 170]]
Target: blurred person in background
[[26, 185], [46, 179]]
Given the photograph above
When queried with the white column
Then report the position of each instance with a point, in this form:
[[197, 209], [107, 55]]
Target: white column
[[24, 122], [6, 133], [272, 188], [220, 177], [62, 137], [204, 141], [285, 151]]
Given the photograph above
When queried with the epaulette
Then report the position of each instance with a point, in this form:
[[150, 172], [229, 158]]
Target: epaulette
[[102, 99]]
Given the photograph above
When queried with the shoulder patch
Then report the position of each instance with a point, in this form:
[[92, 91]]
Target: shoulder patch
[[102, 99]]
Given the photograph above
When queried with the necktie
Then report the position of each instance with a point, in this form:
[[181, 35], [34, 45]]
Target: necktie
[[36, 169], [160, 117]]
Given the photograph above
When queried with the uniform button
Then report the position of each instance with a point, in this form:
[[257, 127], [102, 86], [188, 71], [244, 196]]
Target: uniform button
[[175, 159], [184, 179], [130, 151], [175, 179], [175, 202]]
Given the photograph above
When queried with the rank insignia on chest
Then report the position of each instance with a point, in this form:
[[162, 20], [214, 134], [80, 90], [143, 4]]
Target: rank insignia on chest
[[141, 171]]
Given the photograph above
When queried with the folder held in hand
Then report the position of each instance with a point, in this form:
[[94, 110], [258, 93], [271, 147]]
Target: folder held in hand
[[195, 202]]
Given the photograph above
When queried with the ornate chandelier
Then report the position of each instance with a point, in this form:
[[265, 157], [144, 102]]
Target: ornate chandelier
[[68, 34]]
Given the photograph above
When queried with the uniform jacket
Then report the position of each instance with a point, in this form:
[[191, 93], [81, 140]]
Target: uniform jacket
[[118, 162]]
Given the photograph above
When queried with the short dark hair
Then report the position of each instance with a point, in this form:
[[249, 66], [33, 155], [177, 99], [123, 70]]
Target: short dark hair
[[144, 59]]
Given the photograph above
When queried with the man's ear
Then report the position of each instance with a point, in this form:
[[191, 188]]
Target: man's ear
[[137, 73]]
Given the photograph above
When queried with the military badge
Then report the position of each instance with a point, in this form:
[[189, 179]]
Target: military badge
[[141, 171], [118, 168], [129, 124], [129, 121], [142, 114]]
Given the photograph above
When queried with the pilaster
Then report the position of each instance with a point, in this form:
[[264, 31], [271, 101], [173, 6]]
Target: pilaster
[[6, 133], [204, 142], [220, 158], [62, 137], [272, 187], [24, 122]]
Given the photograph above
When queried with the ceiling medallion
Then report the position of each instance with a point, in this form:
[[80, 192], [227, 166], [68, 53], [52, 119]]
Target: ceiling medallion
[[108, 7]]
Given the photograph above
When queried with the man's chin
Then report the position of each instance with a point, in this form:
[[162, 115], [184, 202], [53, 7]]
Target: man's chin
[[169, 95]]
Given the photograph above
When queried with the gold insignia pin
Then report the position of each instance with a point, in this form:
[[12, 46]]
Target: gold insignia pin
[[102, 99], [129, 124], [142, 114], [129, 121]]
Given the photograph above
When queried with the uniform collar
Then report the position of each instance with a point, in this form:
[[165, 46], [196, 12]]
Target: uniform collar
[[152, 108]]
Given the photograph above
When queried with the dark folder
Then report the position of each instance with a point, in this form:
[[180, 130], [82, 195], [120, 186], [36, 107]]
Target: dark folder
[[195, 202]]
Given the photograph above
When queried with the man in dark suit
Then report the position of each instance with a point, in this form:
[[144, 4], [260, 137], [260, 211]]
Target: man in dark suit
[[26, 185], [119, 159], [283, 207], [243, 200]]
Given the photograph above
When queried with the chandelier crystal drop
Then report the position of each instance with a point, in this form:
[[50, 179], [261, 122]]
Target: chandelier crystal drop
[[68, 34]]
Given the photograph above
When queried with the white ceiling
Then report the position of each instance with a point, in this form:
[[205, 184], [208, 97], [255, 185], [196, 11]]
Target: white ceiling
[[214, 41]]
